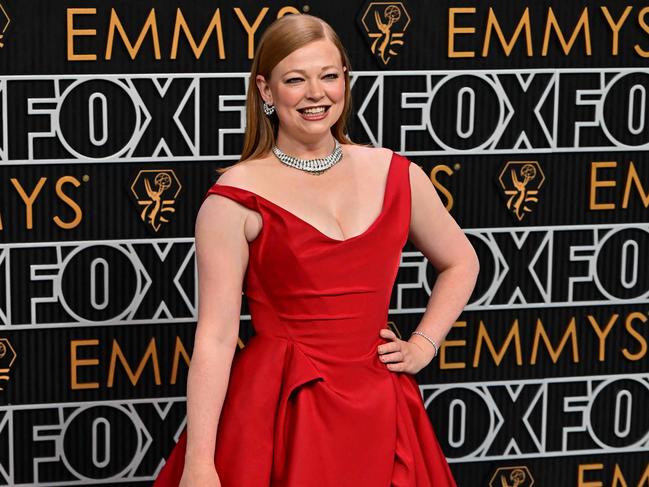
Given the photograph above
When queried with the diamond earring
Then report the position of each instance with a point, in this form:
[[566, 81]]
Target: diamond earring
[[268, 109]]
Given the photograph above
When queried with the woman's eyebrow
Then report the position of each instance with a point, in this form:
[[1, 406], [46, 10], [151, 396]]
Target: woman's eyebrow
[[304, 72]]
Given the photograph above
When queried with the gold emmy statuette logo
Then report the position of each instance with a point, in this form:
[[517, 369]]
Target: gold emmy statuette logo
[[4, 23], [512, 477], [521, 182], [384, 24], [156, 190], [7, 358]]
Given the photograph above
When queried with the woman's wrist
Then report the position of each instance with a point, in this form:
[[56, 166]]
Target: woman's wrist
[[429, 339], [424, 345], [198, 459]]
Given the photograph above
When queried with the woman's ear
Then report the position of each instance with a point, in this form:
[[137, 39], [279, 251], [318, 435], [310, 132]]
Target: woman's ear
[[264, 89]]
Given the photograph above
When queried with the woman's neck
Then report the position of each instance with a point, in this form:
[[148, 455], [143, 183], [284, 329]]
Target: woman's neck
[[312, 149]]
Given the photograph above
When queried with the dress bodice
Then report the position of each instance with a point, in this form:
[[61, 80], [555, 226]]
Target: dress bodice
[[319, 290]]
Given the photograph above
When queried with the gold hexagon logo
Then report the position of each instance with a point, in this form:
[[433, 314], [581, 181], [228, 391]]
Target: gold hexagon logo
[[512, 477], [4, 23], [384, 25], [156, 191], [520, 182], [7, 358]]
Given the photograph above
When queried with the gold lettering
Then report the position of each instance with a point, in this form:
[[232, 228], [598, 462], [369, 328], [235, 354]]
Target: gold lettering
[[644, 480], [602, 334], [149, 25], [179, 349], [540, 333], [151, 352], [643, 25], [439, 186], [628, 324], [443, 364], [76, 362], [581, 469], [28, 200], [72, 33], [250, 30], [492, 23], [513, 335], [214, 25], [632, 177], [453, 31], [615, 26], [618, 478], [287, 10], [71, 203], [598, 183], [553, 24]]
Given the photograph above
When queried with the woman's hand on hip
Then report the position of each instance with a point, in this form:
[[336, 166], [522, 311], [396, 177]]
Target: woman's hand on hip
[[401, 355]]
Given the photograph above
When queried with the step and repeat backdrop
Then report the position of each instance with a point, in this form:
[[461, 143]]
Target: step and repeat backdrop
[[531, 119]]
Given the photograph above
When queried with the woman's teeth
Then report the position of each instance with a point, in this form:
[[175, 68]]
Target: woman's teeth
[[314, 111]]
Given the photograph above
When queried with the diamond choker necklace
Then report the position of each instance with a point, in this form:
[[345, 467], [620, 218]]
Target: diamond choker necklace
[[313, 166]]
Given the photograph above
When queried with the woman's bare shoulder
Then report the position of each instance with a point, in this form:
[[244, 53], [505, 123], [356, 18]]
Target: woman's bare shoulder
[[369, 155], [366, 151], [243, 174], [240, 175]]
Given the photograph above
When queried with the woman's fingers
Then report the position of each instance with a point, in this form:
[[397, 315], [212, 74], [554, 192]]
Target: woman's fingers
[[392, 357], [396, 367], [389, 347], [387, 333], [396, 354]]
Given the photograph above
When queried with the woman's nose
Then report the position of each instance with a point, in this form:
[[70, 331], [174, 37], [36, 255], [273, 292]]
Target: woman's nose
[[314, 90]]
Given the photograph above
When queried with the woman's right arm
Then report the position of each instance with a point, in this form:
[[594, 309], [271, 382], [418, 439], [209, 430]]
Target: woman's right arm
[[222, 259]]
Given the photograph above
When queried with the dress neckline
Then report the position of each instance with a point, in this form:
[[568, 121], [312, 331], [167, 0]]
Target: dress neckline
[[323, 235]]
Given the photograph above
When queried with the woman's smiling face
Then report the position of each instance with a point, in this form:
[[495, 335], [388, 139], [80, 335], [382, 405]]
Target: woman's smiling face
[[307, 88]]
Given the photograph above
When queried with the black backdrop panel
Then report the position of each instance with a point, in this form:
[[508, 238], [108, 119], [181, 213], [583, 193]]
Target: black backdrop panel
[[530, 121]]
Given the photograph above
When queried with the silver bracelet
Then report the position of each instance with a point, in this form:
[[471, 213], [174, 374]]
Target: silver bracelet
[[429, 339]]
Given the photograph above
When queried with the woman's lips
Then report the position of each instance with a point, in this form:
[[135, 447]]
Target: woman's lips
[[314, 116]]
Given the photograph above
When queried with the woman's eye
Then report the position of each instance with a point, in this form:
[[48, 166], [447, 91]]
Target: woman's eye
[[329, 76]]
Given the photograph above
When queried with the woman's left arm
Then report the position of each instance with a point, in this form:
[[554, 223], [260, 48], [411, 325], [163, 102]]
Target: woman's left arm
[[436, 234]]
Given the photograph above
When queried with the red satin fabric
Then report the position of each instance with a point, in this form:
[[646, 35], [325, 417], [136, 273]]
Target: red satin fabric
[[309, 403]]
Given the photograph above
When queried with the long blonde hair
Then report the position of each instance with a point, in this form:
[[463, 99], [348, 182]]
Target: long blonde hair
[[280, 39]]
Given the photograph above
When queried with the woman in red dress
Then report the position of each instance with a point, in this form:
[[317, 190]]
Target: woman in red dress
[[311, 227]]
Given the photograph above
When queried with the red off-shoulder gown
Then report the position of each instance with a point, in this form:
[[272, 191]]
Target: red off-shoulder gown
[[309, 403]]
